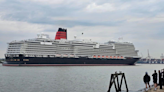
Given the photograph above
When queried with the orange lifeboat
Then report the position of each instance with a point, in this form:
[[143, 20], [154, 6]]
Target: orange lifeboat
[[94, 56], [118, 57], [111, 56]]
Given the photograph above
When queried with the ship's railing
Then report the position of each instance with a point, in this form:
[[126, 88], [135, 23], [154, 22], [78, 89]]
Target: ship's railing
[[64, 55], [34, 40], [119, 42], [11, 55], [108, 57], [70, 56]]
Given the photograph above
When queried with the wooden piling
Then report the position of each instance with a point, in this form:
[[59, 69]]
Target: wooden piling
[[115, 80]]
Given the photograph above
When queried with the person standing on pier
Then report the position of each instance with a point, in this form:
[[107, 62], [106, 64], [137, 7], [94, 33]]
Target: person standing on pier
[[162, 74], [160, 79], [146, 80], [155, 79]]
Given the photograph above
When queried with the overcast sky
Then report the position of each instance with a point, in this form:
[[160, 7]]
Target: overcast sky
[[138, 21]]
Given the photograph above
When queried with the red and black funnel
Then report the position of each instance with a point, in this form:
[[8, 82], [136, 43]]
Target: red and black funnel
[[61, 34]]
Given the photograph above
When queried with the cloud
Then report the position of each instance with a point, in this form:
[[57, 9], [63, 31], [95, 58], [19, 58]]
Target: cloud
[[106, 7], [47, 15], [17, 26], [43, 11], [140, 22], [93, 7]]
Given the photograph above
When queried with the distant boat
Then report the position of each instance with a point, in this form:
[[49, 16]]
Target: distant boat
[[2, 60]]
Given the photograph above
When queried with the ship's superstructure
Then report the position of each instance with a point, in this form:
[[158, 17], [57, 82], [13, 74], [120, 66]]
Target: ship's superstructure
[[49, 50]]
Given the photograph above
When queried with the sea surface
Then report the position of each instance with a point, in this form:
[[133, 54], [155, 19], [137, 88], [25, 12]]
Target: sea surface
[[71, 78]]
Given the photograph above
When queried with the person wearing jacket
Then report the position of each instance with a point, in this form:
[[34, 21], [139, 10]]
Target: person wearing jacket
[[155, 79], [146, 80]]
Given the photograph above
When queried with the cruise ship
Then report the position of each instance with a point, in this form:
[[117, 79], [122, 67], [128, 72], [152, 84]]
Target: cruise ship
[[43, 51]]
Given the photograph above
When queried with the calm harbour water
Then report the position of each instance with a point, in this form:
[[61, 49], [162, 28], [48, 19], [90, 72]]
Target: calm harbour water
[[70, 78]]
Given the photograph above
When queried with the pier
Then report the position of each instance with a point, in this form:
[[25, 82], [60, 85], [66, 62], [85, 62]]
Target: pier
[[117, 80], [152, 89], [160, 83]]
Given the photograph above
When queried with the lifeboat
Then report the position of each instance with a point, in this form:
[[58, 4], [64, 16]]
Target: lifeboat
[[57, 55], [111, 56], [94, 56]]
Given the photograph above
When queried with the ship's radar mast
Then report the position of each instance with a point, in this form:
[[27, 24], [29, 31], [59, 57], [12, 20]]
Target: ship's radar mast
[[75, 36], [42, 35]]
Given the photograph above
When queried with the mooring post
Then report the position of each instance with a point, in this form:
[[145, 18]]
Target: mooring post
[[110, 83], [121, 81], [119, 84], [125, 82]]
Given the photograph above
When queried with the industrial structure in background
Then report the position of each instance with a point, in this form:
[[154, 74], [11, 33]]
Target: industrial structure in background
[[150, 60]]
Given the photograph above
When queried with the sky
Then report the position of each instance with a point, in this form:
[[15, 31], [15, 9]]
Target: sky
[[138, 21]]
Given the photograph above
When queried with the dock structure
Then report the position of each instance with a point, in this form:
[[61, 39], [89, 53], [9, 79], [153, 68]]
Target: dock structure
[[158, 89], [115, 80]]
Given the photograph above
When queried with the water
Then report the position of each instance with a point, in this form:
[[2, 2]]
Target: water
[[70, 78]]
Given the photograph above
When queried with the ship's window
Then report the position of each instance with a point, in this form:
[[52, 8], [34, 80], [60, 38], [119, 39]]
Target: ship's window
[[25, 59]]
